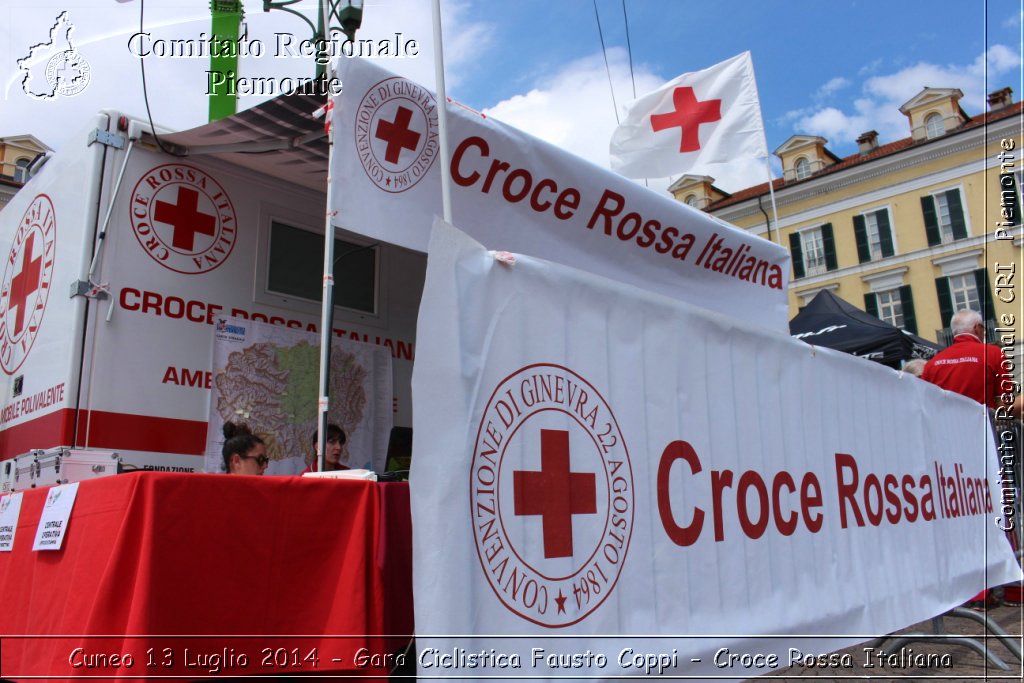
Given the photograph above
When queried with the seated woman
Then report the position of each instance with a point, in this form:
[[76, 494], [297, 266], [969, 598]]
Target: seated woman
[[244, 452], [332, 456]]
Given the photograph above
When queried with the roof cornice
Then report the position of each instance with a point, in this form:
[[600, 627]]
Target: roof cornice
[[975, 137]]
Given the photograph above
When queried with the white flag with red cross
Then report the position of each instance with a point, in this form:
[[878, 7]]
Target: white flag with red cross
[[691, 123]]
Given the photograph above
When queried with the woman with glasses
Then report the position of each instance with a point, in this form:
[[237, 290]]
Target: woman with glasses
[[244, 452]]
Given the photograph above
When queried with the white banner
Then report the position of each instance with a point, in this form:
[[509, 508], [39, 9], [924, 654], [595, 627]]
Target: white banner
[[268, 377], [594, 463], [518, 193]]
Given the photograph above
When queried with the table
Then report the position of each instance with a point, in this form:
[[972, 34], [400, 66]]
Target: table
[[185, 573]]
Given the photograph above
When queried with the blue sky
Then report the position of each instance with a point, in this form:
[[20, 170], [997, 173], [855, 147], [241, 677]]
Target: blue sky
[[834, 69]]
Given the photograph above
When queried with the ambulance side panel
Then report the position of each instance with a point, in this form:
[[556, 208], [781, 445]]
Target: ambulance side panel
[[46, 234], [189, 243]]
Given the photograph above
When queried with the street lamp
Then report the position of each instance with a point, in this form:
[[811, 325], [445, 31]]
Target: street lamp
[[348, 14]]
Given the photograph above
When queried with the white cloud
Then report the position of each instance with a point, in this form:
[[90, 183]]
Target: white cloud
[[834, 85], [573, 108], [1002, 59], [830, 123], [870, 67], [464, 40], [878, 108]]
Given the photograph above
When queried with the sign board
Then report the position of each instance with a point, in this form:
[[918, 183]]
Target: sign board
[[600, 460]]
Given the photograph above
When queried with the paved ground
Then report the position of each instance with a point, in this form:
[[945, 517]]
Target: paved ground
[[963, 663]]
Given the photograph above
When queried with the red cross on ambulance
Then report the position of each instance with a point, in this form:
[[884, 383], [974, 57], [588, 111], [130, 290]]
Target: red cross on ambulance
[[25, 284], [185, 219]]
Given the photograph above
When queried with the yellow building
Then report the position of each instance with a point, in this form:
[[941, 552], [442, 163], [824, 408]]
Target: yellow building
[[911, 230], [16, 154]]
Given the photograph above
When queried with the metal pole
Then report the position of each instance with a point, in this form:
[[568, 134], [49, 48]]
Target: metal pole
[[323, 20], [327, 305], [442, 115], [771, 193]]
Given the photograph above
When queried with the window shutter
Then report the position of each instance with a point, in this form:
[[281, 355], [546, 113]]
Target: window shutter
[[829, 241], [988, 309], [945, 301], [871, 303], [860, 233], [885, 233], [931, 222], [798, 255], [907, 303], [956, 215]]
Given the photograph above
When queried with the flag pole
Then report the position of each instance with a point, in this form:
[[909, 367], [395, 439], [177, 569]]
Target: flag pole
[[442, 114], [767, 157], [771, 193], [327, 303]]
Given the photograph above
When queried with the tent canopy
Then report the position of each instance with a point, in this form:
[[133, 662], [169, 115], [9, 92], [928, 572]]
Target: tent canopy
[[837, 324], [280, 137]]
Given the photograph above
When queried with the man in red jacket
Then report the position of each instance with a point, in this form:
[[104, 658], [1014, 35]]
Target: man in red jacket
[[968, 366]]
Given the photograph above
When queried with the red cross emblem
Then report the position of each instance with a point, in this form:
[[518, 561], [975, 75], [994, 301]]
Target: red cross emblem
[[25, 283], [688, 115], [564, 572], [555, 570], [397, 134], [185, 218], [555, 493]]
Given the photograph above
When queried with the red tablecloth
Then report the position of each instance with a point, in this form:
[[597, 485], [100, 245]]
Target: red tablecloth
[[187, 572]]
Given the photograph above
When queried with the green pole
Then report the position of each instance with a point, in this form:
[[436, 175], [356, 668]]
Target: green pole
[[226, 20], [319, 38]]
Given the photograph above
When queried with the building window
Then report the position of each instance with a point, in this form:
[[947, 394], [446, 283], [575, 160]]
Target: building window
[[873, 233], [944, 217], [971, 289], [934, 126], [895, 306], [296, 258], [889, 307], [803, 168], [945, 223], [963, 292], [691, 200], [813, 251], [21, 170]]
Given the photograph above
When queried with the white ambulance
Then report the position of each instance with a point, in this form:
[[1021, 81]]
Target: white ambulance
[[120, 258]]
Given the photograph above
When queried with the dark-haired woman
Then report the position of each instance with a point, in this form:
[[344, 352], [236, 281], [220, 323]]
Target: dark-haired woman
[[244, 452], [332, 455]]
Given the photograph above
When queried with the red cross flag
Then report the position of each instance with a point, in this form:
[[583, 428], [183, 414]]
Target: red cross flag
[[698, 120]]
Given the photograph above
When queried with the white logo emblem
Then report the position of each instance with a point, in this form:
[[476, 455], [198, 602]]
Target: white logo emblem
[[55, 68]]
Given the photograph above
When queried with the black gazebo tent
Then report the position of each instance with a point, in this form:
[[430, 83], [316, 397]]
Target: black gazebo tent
[[837, 324]]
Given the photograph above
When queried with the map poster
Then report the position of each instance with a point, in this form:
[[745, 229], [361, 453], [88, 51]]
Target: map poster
[[268, 377]]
